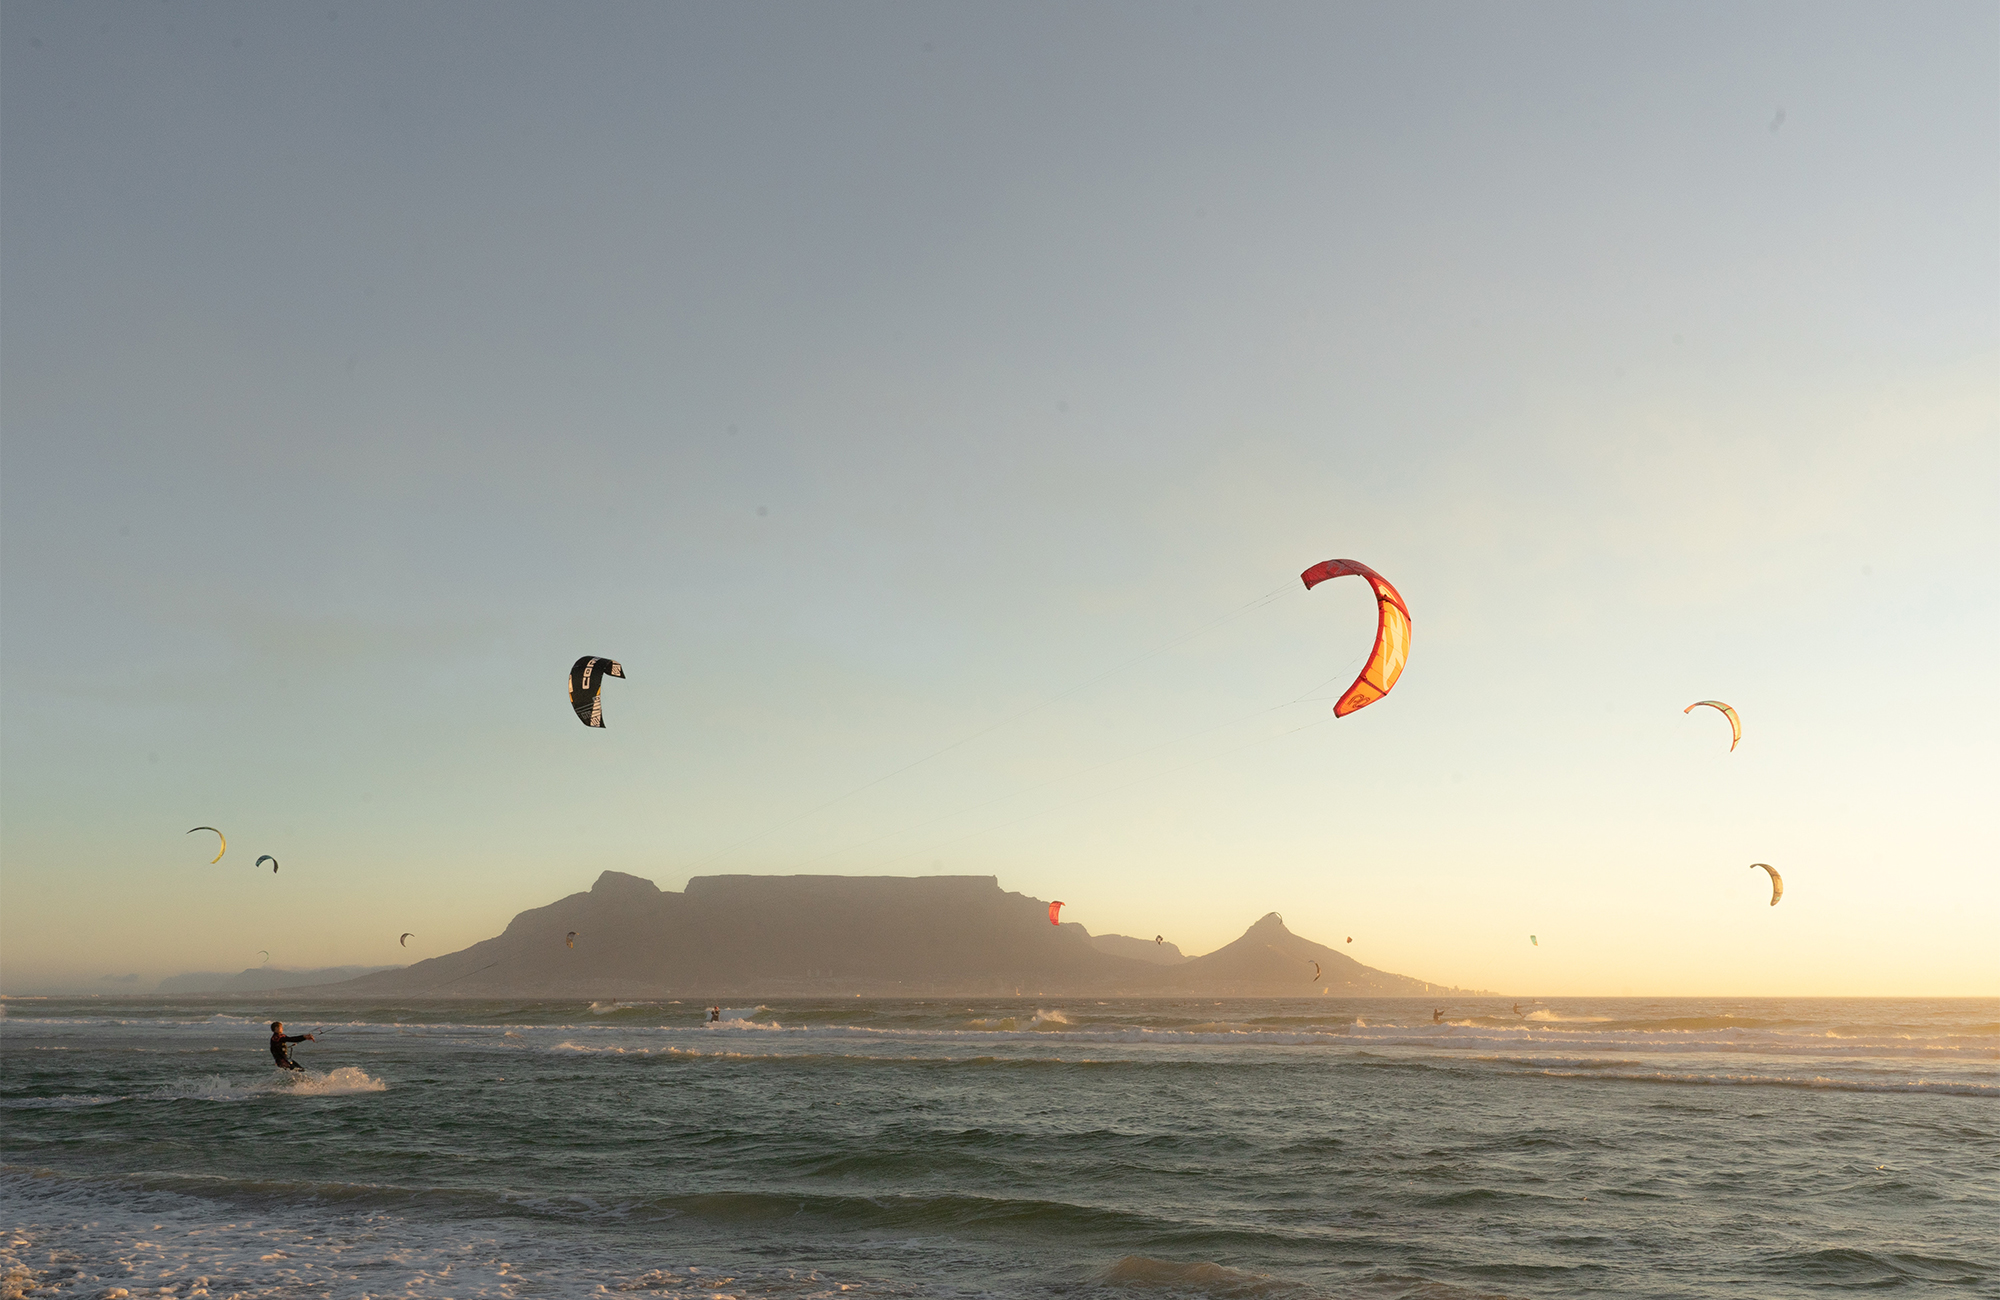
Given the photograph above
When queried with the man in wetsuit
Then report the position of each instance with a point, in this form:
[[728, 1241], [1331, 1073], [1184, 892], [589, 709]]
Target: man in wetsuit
[[1437, 1016], [281, 1045]]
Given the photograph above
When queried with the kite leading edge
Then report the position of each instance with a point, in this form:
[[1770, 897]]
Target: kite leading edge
[[1392, 634], [1735, 723]]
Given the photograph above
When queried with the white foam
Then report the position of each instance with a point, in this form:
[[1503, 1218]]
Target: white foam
[[345, 1081], [613, 1049], [604, 1049], [107, 1239], [1041, 1021]]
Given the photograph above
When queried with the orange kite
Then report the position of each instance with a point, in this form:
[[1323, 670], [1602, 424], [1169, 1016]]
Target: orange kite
[[1392, 634]]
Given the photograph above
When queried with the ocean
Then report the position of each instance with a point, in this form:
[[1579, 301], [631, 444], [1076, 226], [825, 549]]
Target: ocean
[[1252, 1147]]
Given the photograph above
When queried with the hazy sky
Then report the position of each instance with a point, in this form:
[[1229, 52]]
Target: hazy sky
[[873, 378]]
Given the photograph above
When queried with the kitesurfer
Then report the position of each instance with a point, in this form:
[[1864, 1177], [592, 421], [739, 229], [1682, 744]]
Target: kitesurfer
[[281, 1046], [715, 1015], [1437, 1016], [1517, 1008]]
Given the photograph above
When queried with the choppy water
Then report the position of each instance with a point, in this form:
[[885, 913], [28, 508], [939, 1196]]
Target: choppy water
[[1622, 1147]]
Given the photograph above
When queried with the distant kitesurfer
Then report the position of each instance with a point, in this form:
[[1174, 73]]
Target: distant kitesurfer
[[1437, 1016], [281, 1045], [715, 1015], [1517, 1008]]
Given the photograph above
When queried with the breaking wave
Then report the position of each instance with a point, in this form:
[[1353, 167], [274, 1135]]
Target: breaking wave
[[1040, 1021]]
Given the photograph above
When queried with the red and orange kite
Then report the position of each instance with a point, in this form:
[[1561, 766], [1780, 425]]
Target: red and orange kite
[[1392, 634], [1735, 723], [1053, 909]]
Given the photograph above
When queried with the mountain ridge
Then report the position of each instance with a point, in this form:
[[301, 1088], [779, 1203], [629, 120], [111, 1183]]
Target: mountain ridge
[[261, 979], [823, 936]]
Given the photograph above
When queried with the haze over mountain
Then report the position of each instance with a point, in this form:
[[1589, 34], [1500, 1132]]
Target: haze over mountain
[[805, 936], [258, 979]]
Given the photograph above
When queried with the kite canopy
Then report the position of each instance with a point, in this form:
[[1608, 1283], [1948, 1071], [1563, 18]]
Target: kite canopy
[[1315, 968], [218, 835], [1532, 939], [1159, 938], [570, 940], [1350, 938], [586, 679], [1392, 634], [1053, 909], [267, 858], [1735, 723], [405, 940], [1777, 881]]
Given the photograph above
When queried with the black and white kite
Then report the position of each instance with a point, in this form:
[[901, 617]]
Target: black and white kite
[[586, 679]]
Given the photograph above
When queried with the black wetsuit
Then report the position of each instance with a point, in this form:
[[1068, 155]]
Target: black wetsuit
[[281, 1050]]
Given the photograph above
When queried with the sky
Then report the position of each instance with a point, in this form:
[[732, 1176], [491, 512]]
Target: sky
[[932, 407]]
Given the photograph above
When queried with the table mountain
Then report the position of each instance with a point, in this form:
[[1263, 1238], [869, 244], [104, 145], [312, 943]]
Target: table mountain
[[822, 936]]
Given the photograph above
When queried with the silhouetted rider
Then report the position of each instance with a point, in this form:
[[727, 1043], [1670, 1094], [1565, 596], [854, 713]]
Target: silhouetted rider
[[281, 1045]]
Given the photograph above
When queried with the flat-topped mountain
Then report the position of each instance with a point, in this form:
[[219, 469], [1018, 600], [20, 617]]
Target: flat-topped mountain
[[818, 936]]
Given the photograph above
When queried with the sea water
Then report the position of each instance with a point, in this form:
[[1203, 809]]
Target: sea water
[[1290, 1148]]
